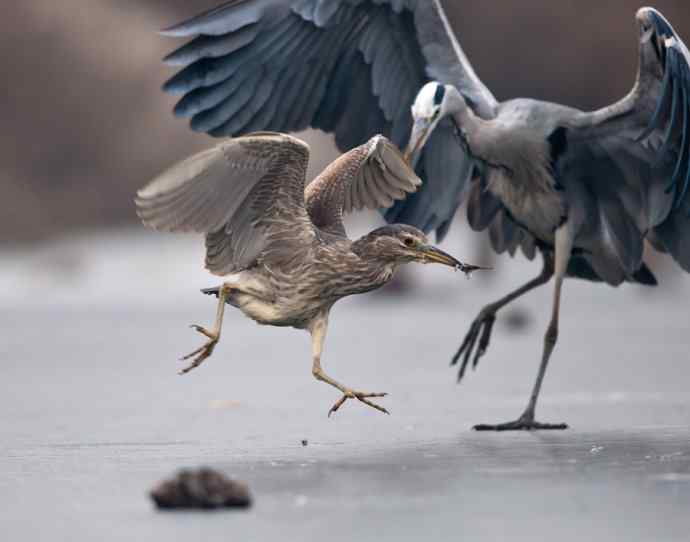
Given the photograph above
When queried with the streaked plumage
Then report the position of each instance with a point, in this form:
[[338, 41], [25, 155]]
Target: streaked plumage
[[282, 249], [585, 189]]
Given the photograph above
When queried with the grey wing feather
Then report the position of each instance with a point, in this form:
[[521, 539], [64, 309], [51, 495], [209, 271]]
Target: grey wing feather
[[629, 163], [370, 176], [352, 67], [446, 61], [246, 195], [307, 41], [486, 212], [447, 171]]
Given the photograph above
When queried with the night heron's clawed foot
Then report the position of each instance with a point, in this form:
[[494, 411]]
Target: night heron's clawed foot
[[200, 329], [202, 353], [526, 422], [360, 396], [478, 336]]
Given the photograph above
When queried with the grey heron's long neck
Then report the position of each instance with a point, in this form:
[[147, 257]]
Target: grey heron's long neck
[[515, 154], [477, 132]]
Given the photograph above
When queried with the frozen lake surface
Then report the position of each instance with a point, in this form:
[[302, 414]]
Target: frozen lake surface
[[93, 413]]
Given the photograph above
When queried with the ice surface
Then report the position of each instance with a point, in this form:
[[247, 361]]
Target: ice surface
[[93, 412]]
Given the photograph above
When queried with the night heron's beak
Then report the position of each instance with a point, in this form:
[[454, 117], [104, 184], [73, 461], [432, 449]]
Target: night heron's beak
[[421, 131], [431, 254]]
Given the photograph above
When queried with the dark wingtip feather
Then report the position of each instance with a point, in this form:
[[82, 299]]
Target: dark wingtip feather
[[173, 32], [559, 144], [684, 191], [661, 24], [645, 276], [202, 73], [179, 57], [183, 109], [179, 83], [663, 97], [683, 144], [222, 19]]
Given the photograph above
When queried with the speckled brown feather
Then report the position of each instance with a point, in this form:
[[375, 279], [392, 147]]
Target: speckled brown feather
[[370, 176], [248, 196]]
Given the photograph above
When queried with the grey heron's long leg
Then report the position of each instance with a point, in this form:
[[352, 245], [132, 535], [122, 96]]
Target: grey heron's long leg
[[563, 248], [482, 326], [318, 334], [202, 353]]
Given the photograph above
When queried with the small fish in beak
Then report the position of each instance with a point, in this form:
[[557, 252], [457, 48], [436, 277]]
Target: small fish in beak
[[431, 254]]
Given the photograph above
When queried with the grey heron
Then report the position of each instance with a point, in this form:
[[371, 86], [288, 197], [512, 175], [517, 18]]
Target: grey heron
[[281, 249], [585, 189]]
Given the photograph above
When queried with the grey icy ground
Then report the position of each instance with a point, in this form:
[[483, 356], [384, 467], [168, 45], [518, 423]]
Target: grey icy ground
[[93, 413]]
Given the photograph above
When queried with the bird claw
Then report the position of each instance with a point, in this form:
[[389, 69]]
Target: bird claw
[[480, 330], [360, 396], [202, 353], [200, 329], [521, 425]]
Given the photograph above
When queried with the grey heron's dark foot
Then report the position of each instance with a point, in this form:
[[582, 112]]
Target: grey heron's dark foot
[[202, 353], [360, 396], [479, 335], [525, 422]]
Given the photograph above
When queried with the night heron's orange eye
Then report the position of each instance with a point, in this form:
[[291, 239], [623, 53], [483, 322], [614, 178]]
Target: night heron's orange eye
[[409, 242]]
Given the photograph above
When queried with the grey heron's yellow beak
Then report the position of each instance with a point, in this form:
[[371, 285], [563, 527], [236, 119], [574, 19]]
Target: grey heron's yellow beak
[[421, 131], [431, 254]]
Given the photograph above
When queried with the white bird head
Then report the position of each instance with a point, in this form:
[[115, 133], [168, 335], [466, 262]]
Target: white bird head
[[433, 102]]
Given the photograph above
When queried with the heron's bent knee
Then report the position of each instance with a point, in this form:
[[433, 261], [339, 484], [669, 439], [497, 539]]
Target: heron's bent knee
[[226, 288], [551, 335], [488, 312]]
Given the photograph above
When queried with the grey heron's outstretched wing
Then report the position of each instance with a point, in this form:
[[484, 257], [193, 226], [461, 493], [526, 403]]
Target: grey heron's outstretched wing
[[486, 212], [629, 164], [246, 195], [370, 176], [350, 67]]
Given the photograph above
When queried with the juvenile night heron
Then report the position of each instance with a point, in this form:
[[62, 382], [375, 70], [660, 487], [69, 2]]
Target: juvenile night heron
[[584, 189], [282, 250]]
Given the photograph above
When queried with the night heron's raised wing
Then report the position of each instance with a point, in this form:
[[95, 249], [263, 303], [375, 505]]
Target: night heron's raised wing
[[246, 195], [631, 161], [351, 67], [371, 176]]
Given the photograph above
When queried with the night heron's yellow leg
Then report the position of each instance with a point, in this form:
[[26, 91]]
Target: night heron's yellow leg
[[318, 334], [202, 353]]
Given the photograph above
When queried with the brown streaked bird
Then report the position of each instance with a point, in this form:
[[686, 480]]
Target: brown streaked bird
[[281, 249]]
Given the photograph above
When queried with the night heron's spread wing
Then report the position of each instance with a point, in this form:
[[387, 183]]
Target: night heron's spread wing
[[633, 158], [371, 176], [246, 195], [351, 67]]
